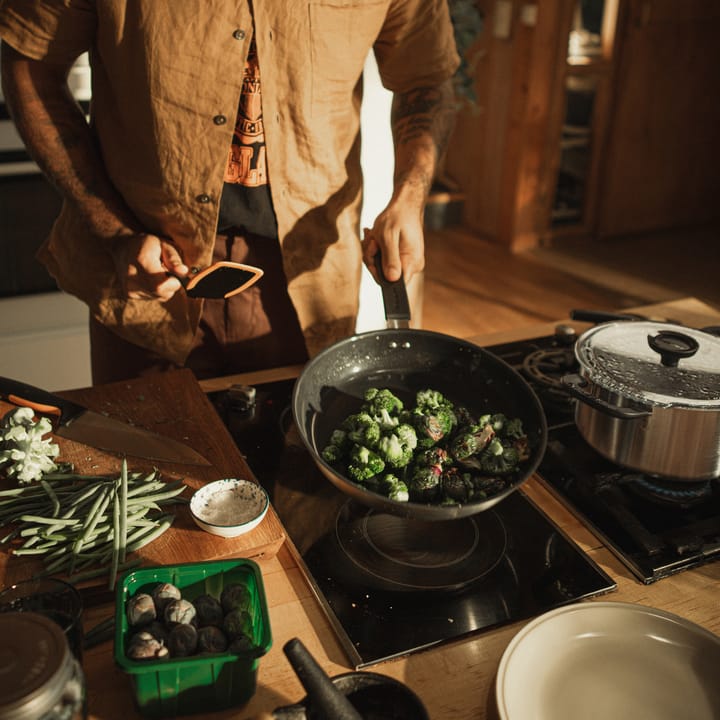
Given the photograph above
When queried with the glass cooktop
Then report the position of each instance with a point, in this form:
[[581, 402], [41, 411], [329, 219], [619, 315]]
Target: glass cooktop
[[391, 586]]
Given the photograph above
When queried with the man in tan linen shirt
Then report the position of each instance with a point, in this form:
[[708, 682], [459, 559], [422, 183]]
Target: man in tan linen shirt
[[143, 181]]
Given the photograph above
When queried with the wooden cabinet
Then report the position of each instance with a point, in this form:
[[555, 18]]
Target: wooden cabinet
[[594, 118]]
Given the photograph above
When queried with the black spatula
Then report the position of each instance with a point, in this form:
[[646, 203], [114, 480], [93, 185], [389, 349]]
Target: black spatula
[[221, 280]]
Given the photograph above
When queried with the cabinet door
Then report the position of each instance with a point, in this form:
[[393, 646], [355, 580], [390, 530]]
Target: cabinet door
[[663, 152]]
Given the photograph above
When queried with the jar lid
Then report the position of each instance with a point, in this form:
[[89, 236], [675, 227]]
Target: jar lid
[[35, 665], [653, 363]]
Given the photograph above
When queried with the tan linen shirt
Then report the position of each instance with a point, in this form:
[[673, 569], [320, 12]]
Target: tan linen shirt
[[166, 83]]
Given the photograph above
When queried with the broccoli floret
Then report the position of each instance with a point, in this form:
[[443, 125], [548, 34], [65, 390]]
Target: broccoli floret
[[364, 463], [394, 488], [383, 406], [500, 463], [430, 399], [382, 398], [332, 454], [337, 447], [362, 429], [407, 435], [393, 451], [514, 429]]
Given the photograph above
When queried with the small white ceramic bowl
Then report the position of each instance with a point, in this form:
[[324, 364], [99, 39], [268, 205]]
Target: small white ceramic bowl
[[229, 507]]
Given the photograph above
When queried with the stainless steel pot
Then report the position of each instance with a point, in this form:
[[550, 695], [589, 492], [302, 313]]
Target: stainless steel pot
[[649, 397]]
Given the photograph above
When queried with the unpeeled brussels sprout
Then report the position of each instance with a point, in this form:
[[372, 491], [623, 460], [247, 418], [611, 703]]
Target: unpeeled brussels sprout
[[143, 646], [163, 594], [238, 622], [141, 610], [182, 640], [209, 611], [211, 639], [235, 597], [179, 612]]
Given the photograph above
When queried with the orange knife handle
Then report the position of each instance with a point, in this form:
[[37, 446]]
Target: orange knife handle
[[40, 401], [40, 408]]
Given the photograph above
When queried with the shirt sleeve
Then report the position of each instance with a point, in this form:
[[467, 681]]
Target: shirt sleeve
[[416, 46], [55, 30]]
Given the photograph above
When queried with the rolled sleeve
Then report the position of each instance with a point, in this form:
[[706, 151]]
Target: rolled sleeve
[[54, 30], [416, 46]]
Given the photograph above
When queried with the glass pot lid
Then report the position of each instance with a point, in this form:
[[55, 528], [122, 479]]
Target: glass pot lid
[[653, 363]]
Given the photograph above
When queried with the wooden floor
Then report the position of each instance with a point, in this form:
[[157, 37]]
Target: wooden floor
[[472, 286]]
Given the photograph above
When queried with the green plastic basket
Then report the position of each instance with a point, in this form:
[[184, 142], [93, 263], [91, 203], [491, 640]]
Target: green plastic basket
[[200, 683]]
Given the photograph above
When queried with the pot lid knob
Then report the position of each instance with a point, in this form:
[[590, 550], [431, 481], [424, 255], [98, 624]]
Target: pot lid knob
[[673, 346]]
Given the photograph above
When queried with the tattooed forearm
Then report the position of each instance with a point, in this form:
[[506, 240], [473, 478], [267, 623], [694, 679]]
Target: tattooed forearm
[[424, 114], [422, 121]]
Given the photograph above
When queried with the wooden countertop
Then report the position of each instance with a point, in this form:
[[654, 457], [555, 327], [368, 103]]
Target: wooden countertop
[[455, 681]]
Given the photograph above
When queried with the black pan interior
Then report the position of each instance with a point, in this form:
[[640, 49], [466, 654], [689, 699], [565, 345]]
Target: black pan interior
[[332, 384]]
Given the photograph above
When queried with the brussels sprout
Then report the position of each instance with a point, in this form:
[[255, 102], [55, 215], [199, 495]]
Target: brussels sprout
[[179, 612], [241, 644], [235, 597], [143, 646], [238, 622], [141, 610], [182, 640], [209, 611], [163, 594], [211, 639], [158, 630]]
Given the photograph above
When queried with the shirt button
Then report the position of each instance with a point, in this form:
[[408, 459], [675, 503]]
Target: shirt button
[[239, 34], [203, 198], [219, 119]]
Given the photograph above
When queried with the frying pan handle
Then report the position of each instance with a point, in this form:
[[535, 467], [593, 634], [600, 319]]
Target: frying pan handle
[[395, 298]]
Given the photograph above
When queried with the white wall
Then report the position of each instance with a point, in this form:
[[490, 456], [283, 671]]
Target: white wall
[[44, 341], [378, 162]]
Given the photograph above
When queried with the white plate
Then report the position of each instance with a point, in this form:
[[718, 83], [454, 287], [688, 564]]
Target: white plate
[[229, 507], [610, 661]]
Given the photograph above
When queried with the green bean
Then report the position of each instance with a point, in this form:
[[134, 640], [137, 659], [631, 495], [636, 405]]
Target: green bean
[[123, 510], [115, 554], [83, 523], [49, 521], [30, 551], [144, 540], [53, 497], [96, 513]]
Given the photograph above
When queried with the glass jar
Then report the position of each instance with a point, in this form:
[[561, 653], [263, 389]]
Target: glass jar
[[41, 679]]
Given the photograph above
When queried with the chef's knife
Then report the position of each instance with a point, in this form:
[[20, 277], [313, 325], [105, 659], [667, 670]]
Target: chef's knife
[[91, 428]]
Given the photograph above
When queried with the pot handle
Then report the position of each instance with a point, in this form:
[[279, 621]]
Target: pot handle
[[576, 386], [673, 346]]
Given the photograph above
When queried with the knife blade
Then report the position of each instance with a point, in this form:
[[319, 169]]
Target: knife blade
[[88, 427]]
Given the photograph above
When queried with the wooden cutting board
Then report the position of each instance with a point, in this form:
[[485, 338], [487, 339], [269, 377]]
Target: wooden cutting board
[[171, 404]]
